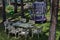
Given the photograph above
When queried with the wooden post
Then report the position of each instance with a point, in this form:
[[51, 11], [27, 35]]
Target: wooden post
[[54, 18], [3, 11], [15, 8]]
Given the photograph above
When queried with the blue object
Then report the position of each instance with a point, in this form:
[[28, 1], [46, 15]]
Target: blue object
[[39, 11]]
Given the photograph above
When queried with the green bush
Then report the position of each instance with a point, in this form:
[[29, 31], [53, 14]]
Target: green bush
[[9, 8]]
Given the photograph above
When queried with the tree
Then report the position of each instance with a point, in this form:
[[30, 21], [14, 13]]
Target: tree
[[22, 9], [54, 18], [3, 11], [15, 8]]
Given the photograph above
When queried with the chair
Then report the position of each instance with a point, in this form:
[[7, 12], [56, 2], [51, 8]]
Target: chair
[[6, 23], [15, 31], [9, 27], [24, 33], [37, 31]]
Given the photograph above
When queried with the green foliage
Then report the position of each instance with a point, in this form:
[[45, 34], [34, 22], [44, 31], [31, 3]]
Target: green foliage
[[9, 9], [27, 15]]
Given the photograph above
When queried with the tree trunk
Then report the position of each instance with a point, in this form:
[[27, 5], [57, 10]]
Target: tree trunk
[[15, 8], [22, 9], [3, 11], [54, 18]]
